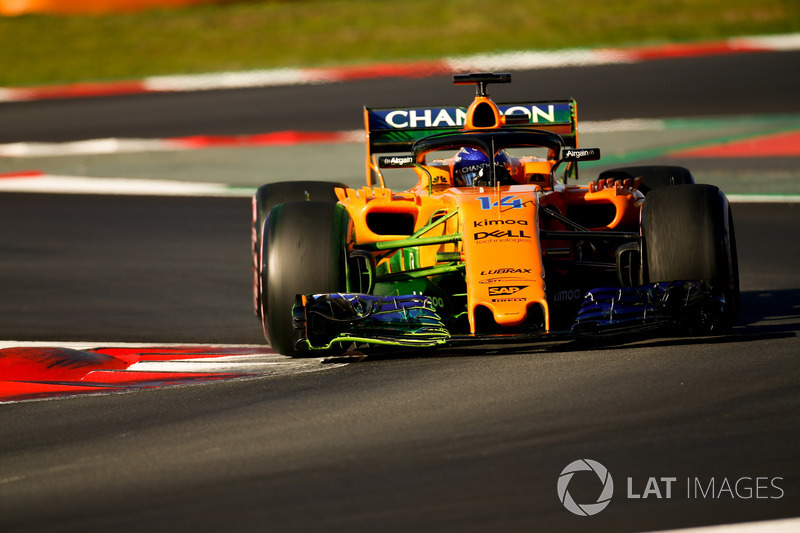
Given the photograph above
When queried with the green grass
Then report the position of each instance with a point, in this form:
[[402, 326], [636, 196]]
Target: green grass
[[38, 49]]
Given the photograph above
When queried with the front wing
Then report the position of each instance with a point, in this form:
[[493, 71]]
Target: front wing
[[324, 320]]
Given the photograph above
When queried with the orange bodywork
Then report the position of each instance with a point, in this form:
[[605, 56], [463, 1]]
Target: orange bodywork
[[492, 240], [492, 233], [504, 270]]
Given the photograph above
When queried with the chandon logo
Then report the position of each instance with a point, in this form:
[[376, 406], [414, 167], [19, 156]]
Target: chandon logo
[[585, 509]]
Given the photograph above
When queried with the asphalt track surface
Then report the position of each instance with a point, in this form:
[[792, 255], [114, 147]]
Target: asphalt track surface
[[456, 440], [701, 86]]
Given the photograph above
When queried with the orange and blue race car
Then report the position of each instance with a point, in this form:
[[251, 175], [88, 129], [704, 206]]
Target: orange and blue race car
[[494, 242]]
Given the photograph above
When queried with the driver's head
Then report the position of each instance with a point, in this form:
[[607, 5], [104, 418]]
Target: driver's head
[[471, 166]]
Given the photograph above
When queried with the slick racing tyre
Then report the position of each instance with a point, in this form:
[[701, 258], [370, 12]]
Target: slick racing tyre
[[689, 235], [268, 196], [303, 252], [653, 176]]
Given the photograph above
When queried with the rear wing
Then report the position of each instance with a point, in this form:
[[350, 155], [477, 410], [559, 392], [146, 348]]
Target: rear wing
[[394, 130]]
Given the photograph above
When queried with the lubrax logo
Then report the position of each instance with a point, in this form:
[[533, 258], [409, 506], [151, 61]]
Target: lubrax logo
[[505, 290], [499, 234], [505, 271], [487, 222]]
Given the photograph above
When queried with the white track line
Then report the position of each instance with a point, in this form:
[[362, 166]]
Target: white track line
[[116, 186], [788, 525], [763, 198], [90, 345], [50, 184]]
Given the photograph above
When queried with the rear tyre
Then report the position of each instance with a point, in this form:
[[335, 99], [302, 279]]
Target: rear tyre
[[268, 196], [303, 252], [689, 235], [653, 176]]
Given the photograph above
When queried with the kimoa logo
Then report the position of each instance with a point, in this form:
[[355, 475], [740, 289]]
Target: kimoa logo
[[487, 222], [585, 509]]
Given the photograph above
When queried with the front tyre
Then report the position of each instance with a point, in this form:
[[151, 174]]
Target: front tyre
[[689, 235], [268, 196], [304, 252]]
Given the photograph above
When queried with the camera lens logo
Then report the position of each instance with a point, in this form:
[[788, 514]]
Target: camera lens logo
[[585, 509]]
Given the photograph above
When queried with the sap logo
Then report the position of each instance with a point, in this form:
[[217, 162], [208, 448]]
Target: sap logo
[[505, 290], [486, 222], [499, 234], [505, 271]]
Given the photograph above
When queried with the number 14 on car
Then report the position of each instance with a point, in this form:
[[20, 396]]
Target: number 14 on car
[[506, 201]]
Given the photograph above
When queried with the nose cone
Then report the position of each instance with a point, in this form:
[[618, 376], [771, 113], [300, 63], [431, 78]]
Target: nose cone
[[503, 257]]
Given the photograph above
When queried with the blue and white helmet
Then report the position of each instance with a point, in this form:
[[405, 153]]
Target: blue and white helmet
[[471, 165]]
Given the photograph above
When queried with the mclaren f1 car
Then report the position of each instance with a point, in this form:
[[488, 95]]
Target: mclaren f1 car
[[496, 240]]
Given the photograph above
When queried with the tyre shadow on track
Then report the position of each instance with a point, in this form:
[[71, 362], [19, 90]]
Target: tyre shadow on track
[[768, 314], [771, 311]]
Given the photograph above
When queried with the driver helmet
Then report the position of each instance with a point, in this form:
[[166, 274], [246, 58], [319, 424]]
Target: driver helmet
[[471, 165]]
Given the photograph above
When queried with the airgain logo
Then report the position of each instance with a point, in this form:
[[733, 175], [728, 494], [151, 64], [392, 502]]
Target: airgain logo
[[585, 509]]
